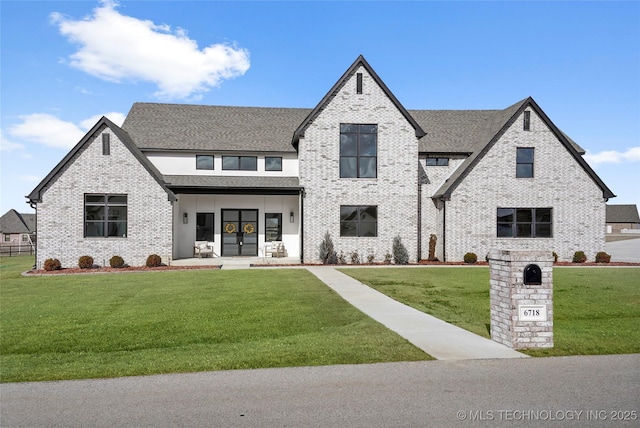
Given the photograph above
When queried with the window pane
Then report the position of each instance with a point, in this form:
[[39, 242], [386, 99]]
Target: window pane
[[230, 162], [273, 227], [442, 161], [523, 230], [117, 199], [248, 163], [369, 213], [524, 216], [272, 164], [94, 212], [348, 127], [93, 199], [348, 213], [368, 129], [524, 155], [367, 168], [348, 167], [368, 229], [505, 230], [118, 228], [524, 171], [118, 213], [368, 145], [348, 145], [204, 162], [543, 215], [505, 215], [348, 229], [543, 230], [431, 161], [249, 216], [204, 227], [93, 229]]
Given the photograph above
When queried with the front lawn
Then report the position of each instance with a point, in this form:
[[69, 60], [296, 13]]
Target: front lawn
[[596, 310], [110, 325]]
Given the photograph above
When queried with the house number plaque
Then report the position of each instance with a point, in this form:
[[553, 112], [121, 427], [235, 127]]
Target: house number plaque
[[532, 312]]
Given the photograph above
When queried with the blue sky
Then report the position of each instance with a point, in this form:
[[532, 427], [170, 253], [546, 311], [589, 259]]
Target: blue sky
[[65, 64]]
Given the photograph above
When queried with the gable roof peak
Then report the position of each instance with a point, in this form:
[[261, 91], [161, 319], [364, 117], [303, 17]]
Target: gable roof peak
[[360, 61]]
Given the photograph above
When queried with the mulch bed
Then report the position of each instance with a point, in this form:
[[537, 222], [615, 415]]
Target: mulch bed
[[75, 271]]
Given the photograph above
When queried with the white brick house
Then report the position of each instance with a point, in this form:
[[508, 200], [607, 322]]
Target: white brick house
[[358, 165]]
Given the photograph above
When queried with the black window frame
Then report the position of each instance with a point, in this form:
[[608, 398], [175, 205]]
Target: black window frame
[[272, 157], [358, 226], [111, 227], [243, 163], [198, 157], [526, 121], [525, 164], [524, 222], [205, 229], [346, 132], [106, 144], [358, 83], [268, 230], [437, 161]]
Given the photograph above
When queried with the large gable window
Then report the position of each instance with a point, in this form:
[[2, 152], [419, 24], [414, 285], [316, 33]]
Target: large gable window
[[524, 223], [241, 163], [105, 215], [358, 220], [358, 151], [524, 162]]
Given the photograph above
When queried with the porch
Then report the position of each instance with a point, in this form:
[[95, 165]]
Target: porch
[[237, 262]]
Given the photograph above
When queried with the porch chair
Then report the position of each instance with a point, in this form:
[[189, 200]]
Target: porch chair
[[201, 248]]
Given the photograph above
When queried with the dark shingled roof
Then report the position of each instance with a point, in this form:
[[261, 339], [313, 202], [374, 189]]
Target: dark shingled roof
[[15, 222], [622, 214], [212, 128], [233, 184]]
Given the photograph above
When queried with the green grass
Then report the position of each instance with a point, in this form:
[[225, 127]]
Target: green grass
[[90, 326], [596, 310]]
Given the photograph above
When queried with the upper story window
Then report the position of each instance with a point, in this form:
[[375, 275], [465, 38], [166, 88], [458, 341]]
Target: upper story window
[[204, 162], [358, 151], [272, 163], [524, 162], [527, 120], [105, 215], [240, 163], [437, 161], [524, 223], [106, 144], [359, 220]]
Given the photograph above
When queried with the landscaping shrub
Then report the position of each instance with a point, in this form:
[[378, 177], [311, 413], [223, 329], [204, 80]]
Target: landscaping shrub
[[371, 258], [85, 262], [342, 259], [603, 257], [400, 254], [327, 252], [579, 257], [470, 258], [154, 260], [355, 257], [116, 262], [555, 257], [387, 258], [52, 264]]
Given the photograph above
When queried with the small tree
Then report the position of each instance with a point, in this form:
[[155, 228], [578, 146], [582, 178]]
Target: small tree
[[327, 252], [52, 264], [116, 262], [579, 257], [400, 254], [603, 257], [470, 258], [154, 260], [85, 262]]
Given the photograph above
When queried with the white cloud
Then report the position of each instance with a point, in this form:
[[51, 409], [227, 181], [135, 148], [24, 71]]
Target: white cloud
[[117, 48], [613, 156], [8, 145], [54, 132]]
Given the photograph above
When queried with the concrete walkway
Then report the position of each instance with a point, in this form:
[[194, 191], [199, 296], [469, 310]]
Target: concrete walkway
[[437, 338]]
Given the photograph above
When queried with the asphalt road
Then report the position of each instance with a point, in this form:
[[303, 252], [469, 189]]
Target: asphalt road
[[598, 391], [624, 251]]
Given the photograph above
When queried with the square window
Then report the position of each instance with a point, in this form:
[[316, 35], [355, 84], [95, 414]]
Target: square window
[[272, 163], [204, 162], [105, 215], [358, 220]]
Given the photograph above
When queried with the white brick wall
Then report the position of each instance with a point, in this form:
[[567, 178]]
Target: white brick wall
[[61, 212], [394, 191], [559, 182]]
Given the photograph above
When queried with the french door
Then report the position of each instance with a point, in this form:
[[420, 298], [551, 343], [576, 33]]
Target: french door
[[239, 233]]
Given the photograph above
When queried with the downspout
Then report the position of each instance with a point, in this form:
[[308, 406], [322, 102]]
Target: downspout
[[35, 261], [444, 229], [302, 195], [419, 219]]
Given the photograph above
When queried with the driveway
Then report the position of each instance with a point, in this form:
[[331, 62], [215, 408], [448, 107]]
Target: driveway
[[584, 391], [627, 250]]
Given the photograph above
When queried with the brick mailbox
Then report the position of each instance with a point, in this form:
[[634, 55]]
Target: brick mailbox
[[522, 298]]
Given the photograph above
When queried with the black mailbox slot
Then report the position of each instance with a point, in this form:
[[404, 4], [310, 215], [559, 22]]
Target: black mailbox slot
[[532, 275]]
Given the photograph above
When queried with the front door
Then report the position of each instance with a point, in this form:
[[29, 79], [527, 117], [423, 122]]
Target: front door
[[239, 233]]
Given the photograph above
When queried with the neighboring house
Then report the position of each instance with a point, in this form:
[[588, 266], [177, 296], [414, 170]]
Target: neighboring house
[[17, 228], [358, 165], [622, 217]]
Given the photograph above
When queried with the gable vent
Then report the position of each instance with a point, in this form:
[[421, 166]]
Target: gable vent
[[358, 83]]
